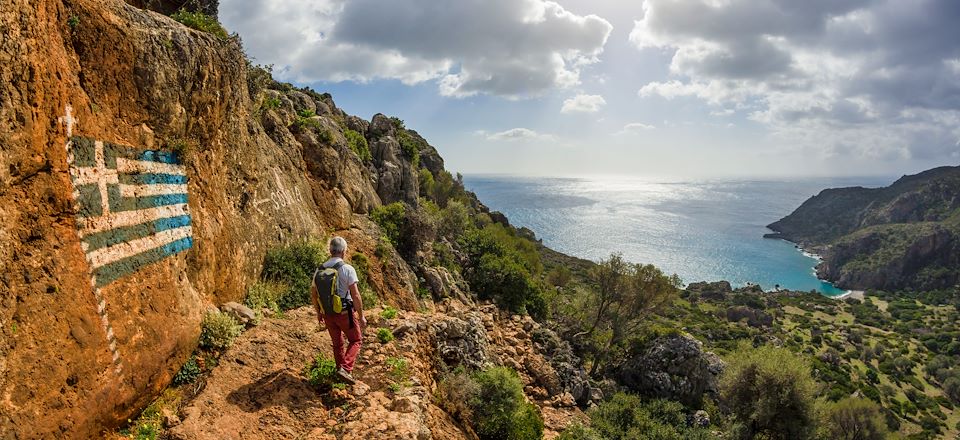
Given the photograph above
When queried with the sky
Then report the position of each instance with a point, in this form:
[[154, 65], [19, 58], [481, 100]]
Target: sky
[[671, 89]]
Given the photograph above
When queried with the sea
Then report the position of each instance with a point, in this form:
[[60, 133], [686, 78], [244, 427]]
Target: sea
[[701, 230]]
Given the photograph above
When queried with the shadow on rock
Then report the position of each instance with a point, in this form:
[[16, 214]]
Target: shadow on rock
[[277, 388]]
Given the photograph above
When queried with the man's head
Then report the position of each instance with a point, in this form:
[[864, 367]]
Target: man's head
[[338, 246]]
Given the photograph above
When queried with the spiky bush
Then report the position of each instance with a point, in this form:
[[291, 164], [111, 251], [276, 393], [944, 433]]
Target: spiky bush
[[217, 330]]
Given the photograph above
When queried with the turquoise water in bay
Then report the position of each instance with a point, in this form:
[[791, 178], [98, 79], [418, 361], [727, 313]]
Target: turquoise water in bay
[[700, 230]]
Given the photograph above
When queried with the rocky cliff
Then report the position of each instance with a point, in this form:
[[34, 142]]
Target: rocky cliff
[[906, 235], [145, 169]]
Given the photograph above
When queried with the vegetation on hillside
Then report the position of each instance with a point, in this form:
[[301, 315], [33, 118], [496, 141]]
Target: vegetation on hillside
[[904, 236], [201, 22], [492, 402]]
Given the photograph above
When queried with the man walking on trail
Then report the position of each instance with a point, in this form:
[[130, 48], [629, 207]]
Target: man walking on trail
[[340, 319]]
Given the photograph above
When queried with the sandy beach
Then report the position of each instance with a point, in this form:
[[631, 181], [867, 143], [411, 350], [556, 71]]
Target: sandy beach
[[857, 294]]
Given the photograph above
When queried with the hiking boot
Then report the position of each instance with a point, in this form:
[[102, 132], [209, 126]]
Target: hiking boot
[[345, 375]]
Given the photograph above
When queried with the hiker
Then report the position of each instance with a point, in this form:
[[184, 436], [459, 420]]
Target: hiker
[[336, 298]]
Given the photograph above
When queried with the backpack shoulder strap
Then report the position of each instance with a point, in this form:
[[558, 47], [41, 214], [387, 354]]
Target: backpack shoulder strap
[[338, 265]]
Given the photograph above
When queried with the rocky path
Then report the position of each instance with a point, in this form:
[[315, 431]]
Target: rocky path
[[258, 391]]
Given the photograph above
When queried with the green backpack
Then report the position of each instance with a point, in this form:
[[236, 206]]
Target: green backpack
[[331, 303]]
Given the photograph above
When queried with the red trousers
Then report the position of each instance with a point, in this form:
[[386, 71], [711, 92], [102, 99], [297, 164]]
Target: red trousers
[[338, 325]]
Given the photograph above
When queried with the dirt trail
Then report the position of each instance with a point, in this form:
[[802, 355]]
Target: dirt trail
[[258, 391]]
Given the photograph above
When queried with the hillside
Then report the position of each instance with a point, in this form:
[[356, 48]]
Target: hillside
[[164, 201], [899, 353], [904, 236], [151, 174]]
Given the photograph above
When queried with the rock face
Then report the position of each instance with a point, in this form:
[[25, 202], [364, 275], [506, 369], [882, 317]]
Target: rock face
[[462, 341], [903, 236], [673, 367], [397, 180], [568, 367], [719, 290], [97, 99]]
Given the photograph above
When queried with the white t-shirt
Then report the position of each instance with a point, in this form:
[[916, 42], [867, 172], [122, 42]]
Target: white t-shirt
[[346, 277]]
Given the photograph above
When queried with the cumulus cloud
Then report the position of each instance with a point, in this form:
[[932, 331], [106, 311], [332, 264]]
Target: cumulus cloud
[[583, 104], [516, 134], [511, 48], [635, 128], [871, 78]]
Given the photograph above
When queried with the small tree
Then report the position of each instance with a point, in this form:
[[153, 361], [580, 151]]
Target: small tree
[[768, 391], [390, 218], [500, 410], [626, 294], [854, 419], [951, 387]]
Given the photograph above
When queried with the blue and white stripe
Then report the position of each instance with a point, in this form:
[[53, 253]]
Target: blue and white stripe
[[131, 205]]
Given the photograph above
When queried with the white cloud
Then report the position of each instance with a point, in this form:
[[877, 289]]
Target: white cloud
[[519, 134], [511, 48], [867, 78], [635, 128], [583, 104]]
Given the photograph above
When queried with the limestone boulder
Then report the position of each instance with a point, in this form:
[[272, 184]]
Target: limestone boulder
[[673, 367]]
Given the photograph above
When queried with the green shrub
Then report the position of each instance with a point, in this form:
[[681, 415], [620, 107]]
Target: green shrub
[[499, 408], [201, 22], [265, 295], [423, 292], [410, 146], [951, 387], [390, 218], [560, 276], [454, 393], [73, 22], [302, 122], [321, 371], [399, 369], [505, 267], [292, 265], [189, 372], [369, 298], [384, 335], [388, 312], [272, 103], [384, 249], [427, 184], [769, 392], [147, 431], [217, 330], [504, 279], [854, 418], [577, 431], [443, 255], [361, 264], [358, 144], [626, 416]]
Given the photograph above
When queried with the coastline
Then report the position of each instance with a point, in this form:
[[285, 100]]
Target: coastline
[[856, 294]]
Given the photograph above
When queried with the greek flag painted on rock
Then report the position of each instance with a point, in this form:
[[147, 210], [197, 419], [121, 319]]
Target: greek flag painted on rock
[[131, 206]]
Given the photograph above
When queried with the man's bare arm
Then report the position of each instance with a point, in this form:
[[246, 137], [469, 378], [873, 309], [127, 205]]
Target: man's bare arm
[[357, 303]]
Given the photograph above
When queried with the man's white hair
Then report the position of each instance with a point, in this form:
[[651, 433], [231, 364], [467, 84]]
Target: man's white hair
[[338, 245]]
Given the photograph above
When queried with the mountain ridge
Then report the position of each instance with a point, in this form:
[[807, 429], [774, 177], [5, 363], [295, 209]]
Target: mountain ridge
[[901, 236]]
